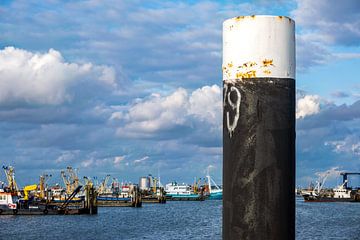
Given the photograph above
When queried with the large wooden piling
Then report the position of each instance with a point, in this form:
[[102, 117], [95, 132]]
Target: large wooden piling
[[259, 128]]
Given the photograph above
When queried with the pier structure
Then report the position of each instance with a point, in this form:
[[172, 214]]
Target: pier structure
[[259, 128]]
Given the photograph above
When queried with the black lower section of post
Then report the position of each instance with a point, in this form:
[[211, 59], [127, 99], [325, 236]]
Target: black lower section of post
[[259, 159]]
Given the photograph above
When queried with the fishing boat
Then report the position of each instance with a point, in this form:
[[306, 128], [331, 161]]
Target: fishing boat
[[128, 197], [341, 193], [214, 191], [177, 192], [11, 203]]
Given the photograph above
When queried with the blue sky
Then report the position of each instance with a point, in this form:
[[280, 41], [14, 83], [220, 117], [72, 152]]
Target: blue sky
[[129, 88]]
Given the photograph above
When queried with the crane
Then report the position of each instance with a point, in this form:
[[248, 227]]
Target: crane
[[196, 184], [73, 178], [154, 184], [29, 188], [10, 176], [345, 177], [42, 184], [66, 182], [103, 185], [88, 181]]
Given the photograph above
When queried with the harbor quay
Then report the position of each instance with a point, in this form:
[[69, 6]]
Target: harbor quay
[[84, 196]]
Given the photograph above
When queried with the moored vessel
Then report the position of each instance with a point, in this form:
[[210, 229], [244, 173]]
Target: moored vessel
[[341, 193], [182, 192], [212, 190]]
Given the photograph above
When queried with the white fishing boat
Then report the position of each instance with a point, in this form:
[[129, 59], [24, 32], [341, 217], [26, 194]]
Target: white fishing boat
[[174, 191]]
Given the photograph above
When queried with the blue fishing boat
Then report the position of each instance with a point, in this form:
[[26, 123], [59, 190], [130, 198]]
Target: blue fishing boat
[[215, 192]]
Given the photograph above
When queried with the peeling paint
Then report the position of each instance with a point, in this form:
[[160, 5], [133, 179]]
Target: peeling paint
[[239, 18], [248, 74], [248, 33], [267, 62], [248, 64], [267, 72]]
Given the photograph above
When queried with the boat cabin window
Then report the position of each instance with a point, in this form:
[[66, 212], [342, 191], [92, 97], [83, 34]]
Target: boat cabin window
[[3, 198]]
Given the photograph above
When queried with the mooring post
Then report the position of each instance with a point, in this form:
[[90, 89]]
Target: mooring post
[[259, 128]]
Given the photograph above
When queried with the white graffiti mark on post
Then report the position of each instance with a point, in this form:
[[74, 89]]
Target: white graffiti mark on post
[[225, 88], [235, 107]]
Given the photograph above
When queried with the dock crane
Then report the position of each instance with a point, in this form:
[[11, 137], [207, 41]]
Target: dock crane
[[66, 182], [29, 188], [103, 185], [74, 179], [154, 185], [345, 177], [71, 179], [42, 184], [88, 181], [10, 176]]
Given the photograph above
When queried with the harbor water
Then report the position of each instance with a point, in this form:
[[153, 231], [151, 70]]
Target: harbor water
[[324, 220], [178, 220]]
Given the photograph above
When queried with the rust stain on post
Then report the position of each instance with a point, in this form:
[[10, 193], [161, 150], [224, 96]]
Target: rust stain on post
[[239, 18], [248, 74], [267, 62], [267, 72]]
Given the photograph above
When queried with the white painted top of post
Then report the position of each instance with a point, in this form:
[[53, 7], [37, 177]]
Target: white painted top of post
[[258, 46]]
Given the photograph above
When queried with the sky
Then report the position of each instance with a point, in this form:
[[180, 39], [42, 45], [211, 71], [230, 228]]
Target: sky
[[129, 88]]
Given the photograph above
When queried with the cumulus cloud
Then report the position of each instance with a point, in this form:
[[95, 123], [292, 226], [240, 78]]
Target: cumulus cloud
[[156, 114], [308, 105], [44, 78], [349, 145], [204, 104], [323, 25], [334, 22]]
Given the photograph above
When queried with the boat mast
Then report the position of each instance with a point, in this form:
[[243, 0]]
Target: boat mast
[[209, 182]]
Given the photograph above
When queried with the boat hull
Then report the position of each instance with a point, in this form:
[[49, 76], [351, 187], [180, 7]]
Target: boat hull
[[192, 197], [329, 199], [117, 202], [215, 196]]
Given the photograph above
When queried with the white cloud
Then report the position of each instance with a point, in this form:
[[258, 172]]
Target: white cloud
[[44, 78], [66, 156], [155, 114], [205, 103], [141, 159], [323, 25], [87, 163], [163, 113], [349, 145], [331, 21], [338, 146], [118, 159], [308, 105]]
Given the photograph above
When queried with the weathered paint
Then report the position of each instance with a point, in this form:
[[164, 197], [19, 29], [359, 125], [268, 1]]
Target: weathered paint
[[271, 55], [259, 129]]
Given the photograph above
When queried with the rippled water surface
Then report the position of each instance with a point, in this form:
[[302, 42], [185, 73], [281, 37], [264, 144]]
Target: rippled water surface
[[178, 220], [327, 220], [173, 220]]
